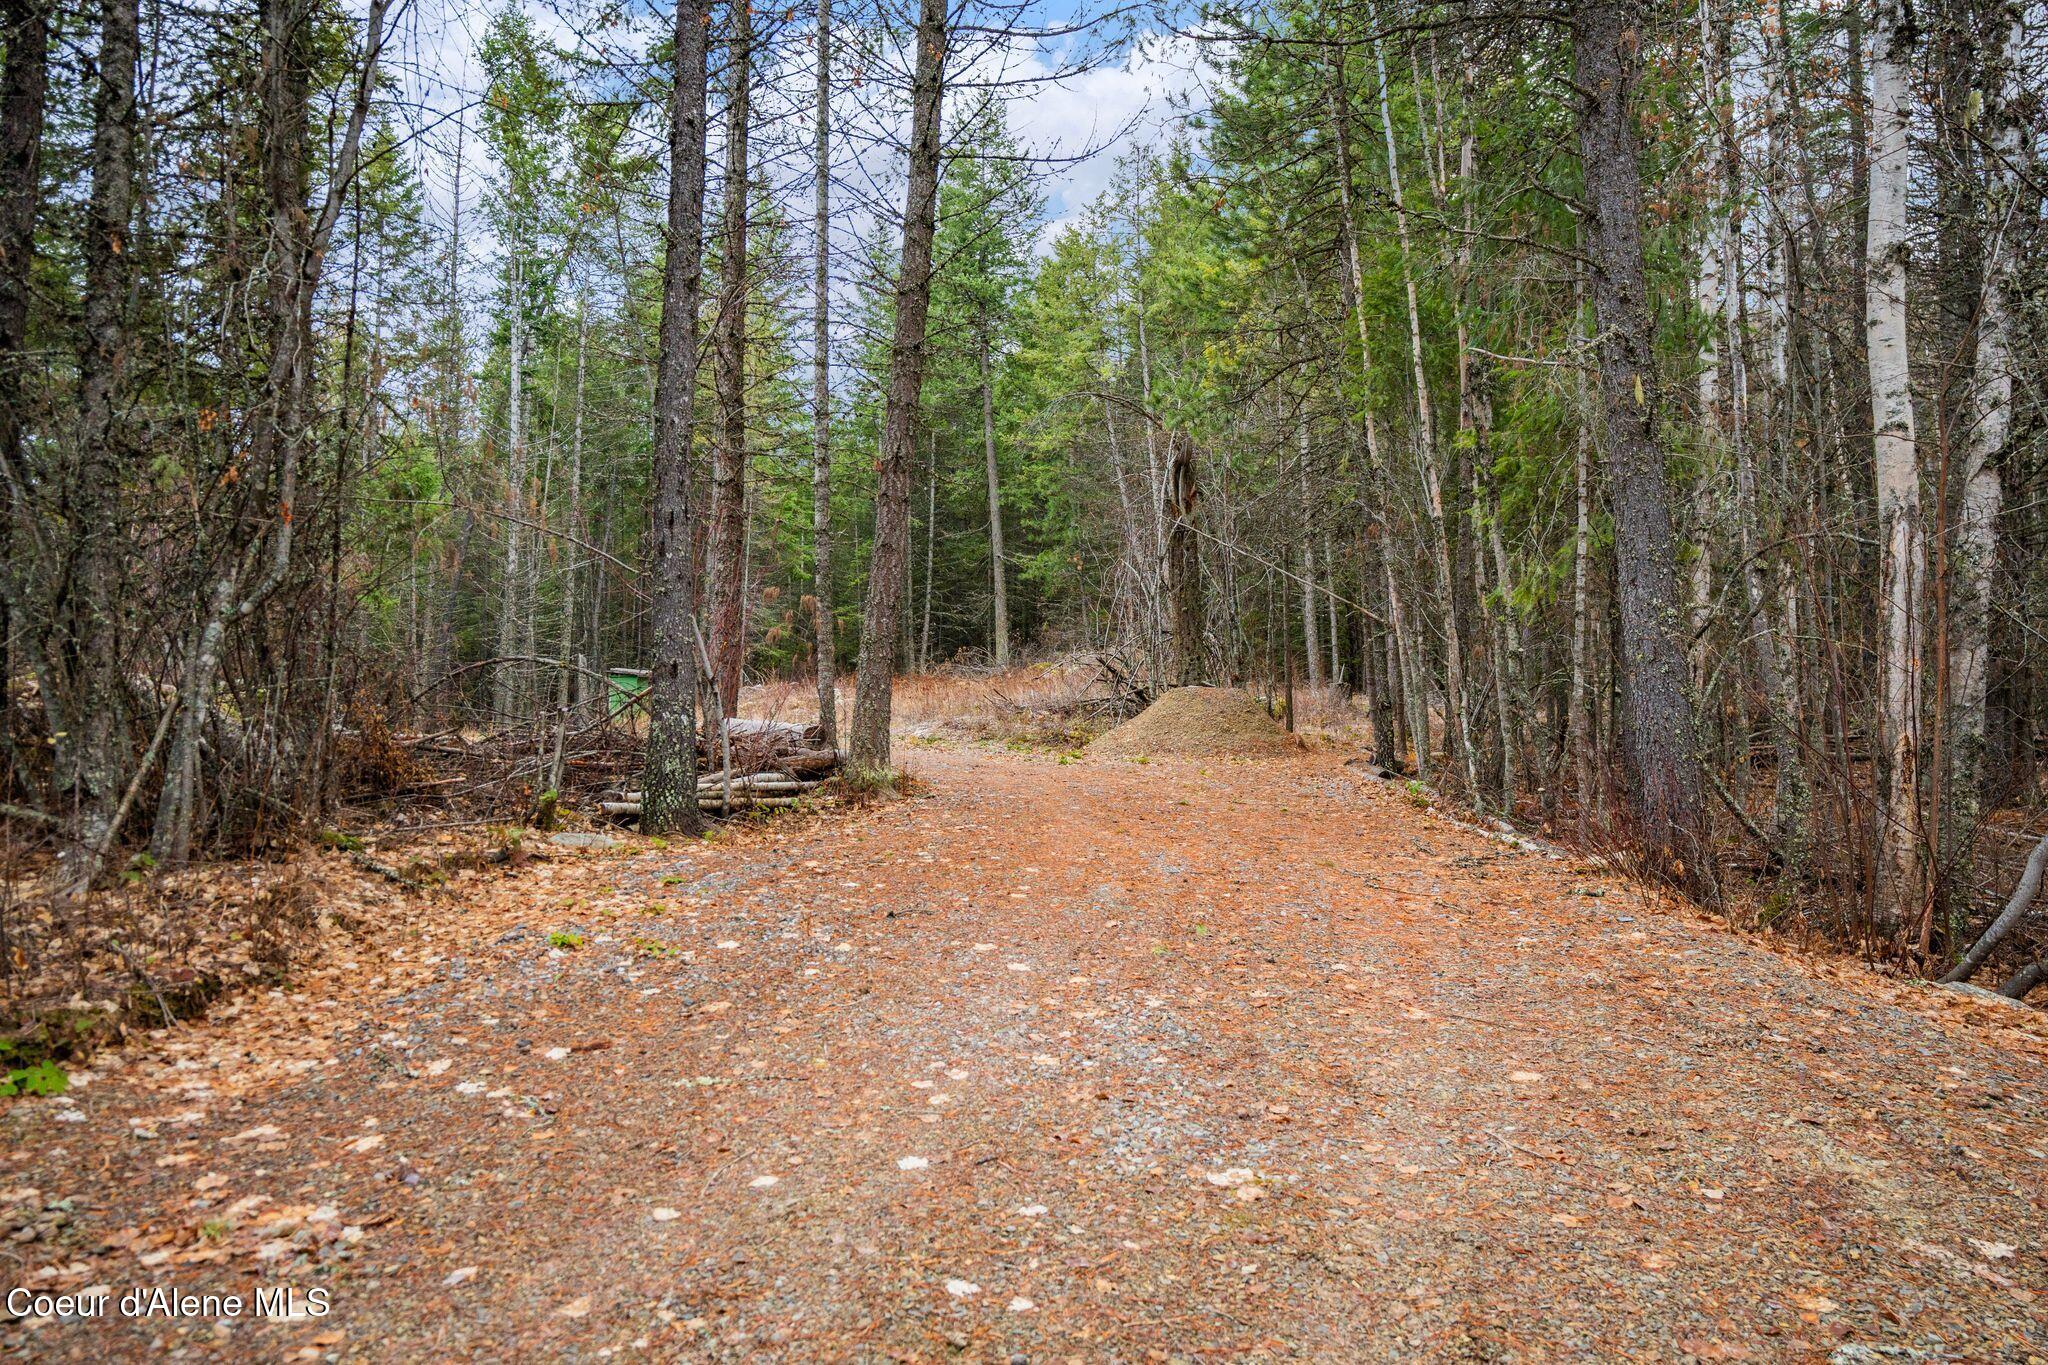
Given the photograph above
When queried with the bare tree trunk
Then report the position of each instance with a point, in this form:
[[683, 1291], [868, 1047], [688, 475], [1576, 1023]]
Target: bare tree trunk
[[1371, 570], [1184, 562], [1973, 562], [449, 435], [1407, 663], [725, 570], [826, 634], [668, 783], [1457, 743], [1900, 898], [931, 517], [24, 85], [1331, 633], [505, 675], [997, 568], [1312, 648], [572, 678], [1579, 718], [81, 683], [1658, 740], [873, 687]]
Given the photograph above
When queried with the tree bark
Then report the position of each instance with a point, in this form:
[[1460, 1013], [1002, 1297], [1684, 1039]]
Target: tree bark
[[505, 679], [85, 703], [669, 779], [24, 86], [1973, 560], [1000, 628], [881, 618], [1311, 641], [726, 569], [1182, 497], [1457, 743], [1385, 730], [826, 634], [1900, 894], [1658, 741], [572, 679]]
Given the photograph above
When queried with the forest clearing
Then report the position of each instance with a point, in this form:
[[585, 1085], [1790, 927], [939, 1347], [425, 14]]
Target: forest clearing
[[1092, 1060], [1341, 679]]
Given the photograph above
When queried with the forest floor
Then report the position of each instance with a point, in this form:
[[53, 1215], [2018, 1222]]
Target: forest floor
[[1092, 1060]]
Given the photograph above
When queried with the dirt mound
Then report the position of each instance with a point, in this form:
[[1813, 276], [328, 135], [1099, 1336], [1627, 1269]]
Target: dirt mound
[[1198, 721]]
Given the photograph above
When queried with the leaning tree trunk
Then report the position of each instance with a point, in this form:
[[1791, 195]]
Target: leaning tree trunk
[[1900, 898], [726, 571], [1658, 741], [821, 392], [881, 620], [668, 780]]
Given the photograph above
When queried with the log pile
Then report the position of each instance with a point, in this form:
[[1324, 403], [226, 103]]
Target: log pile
[[756, 765]]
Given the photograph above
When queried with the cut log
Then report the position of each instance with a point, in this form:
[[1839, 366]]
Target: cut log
[[706, 802]]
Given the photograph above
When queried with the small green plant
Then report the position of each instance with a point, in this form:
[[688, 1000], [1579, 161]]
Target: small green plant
[[859, 781], [215, 1230], [44, 1078], [1418, 795], [337, 839], [563, 938]]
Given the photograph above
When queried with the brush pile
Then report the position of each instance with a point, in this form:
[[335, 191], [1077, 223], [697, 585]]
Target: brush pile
[[755, 765]]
